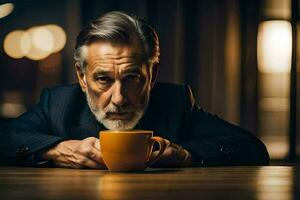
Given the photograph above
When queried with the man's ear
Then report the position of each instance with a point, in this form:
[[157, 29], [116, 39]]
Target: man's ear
[[154, 74], [81, 77]]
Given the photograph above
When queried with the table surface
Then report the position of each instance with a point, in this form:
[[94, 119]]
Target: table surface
[[268, 182]]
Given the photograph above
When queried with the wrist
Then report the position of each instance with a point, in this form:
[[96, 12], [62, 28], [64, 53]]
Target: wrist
[[52, 152]]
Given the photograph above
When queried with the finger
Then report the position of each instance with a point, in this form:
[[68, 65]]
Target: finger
[[90, 140], [169, 151], [95, 155], [168, 142], [67, 164], [169, 158], [69, 161], [93, 164], [93, 141], [91, 149], [97, 144], [86, 162]]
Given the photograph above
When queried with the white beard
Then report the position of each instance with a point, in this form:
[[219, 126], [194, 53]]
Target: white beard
[[101, 114]]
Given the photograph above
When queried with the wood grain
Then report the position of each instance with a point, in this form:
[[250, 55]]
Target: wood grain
[[270, 182]]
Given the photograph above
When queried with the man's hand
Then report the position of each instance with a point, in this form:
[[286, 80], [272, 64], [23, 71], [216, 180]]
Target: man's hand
[[77, 154], [173, 156]]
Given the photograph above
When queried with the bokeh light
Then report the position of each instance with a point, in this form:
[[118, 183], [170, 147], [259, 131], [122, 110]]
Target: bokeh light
[[274, 46], [59, 37], [41, 43], [6, 9], [36, 43], [15, 44], [42, 38], [25, 43]]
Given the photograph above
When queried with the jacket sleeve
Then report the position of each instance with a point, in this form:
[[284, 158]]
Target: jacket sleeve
[[213, 141], [28, 134]]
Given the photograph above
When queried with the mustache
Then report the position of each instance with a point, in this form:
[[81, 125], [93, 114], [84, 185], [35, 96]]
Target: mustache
[[118, 109]]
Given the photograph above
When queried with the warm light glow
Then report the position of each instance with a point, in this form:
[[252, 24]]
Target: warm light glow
[[277, 146], [274, 104], [274, 46], [114, 186], [13, 46], [275, 183], [37, 54], [12, 110], [277, 9], [58, 35], [25, 43], [36, 43], [42, 38], [6, 9], [42, 43]]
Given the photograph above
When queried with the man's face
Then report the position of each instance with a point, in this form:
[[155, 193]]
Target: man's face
[[117, 84]]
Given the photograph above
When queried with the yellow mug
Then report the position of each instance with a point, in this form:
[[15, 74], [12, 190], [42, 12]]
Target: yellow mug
[[129, 150]]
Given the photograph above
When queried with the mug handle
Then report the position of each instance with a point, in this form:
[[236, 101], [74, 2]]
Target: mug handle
[[162, 147]]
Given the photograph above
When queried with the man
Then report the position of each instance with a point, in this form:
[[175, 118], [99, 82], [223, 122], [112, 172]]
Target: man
[[116, 63]]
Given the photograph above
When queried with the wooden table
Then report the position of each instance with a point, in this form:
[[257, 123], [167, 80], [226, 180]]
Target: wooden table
[[271, 182]]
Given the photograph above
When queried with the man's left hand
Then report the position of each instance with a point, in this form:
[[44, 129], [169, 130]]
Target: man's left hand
[[173, 156]]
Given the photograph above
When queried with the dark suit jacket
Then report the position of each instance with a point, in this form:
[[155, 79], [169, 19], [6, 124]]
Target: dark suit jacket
[[63, 113]]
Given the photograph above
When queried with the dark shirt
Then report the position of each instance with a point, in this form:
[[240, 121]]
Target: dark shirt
[[63, 113]]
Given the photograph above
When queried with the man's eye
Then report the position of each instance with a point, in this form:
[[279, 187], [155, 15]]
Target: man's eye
[[104, 79], [132, 78]]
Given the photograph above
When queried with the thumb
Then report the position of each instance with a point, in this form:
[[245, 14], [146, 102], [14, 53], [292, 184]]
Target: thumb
[[93, 142], [97, 144]]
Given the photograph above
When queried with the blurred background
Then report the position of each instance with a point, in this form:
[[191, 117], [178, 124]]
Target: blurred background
[[239, 56]]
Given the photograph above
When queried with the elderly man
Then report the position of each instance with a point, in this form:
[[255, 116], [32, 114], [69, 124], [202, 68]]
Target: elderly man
[[117, 58]]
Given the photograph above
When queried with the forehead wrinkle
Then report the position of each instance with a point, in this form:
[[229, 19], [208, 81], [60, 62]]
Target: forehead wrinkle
[[120, 59], [101, 69], [129, 67], [106, 57]]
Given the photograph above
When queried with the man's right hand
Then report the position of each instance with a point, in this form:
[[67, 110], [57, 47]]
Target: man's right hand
[[77, 154]]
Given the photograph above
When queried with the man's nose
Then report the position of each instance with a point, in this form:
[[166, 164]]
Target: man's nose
[[118, 97]]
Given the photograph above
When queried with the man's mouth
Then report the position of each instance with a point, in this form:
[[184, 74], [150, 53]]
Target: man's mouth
[[119, 115]]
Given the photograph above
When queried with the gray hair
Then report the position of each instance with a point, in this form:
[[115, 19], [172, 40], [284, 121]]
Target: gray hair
[[118, 28]]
